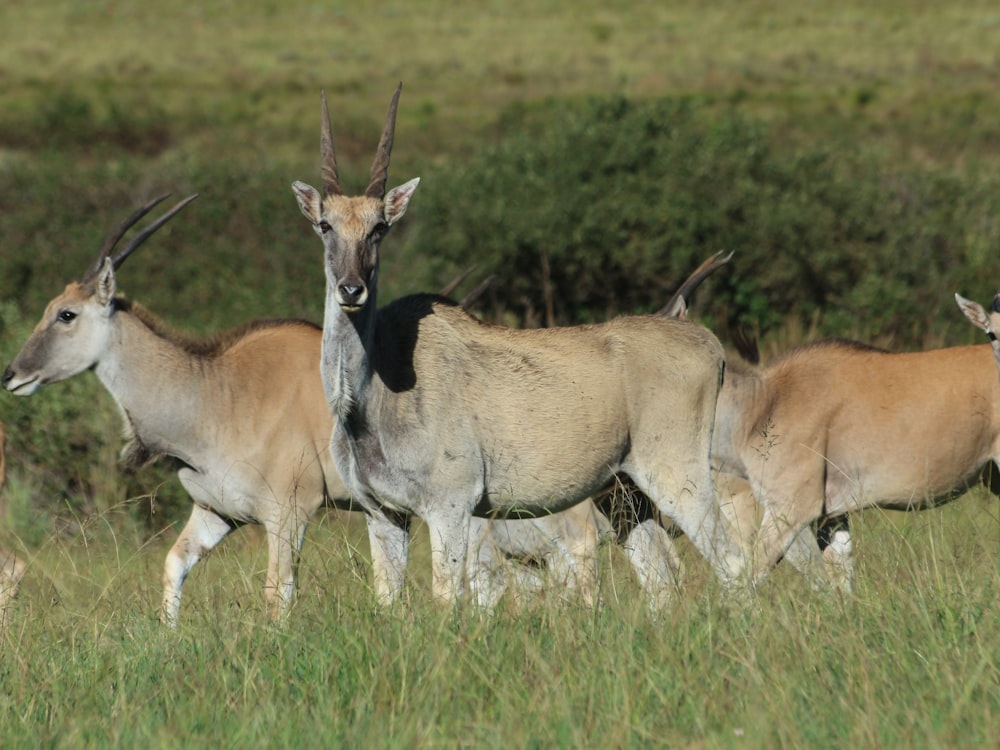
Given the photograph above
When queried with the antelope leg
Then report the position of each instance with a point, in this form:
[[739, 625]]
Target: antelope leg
[[655, 561], [201, 533], [389, 539]]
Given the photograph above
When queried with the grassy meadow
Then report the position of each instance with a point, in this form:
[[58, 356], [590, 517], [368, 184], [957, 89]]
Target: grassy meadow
[[851, 161]]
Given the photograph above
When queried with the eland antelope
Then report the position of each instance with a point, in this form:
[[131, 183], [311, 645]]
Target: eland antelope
[[831, 427], [441, 416], [239, 412], [568, 541]]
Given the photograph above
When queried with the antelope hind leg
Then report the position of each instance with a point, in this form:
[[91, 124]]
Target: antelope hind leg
[[804, 555], [575, 536], [838, 554], [654, 559], [690, 503], [284, 547], [831, 568], [485, 565], [790, 537], [575, 569]]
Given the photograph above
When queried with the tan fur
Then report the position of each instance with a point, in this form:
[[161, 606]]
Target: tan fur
[[353, 216], [568, 541], [833, 427]]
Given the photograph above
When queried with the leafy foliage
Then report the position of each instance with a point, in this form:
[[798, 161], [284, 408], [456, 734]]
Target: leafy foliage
[[602, 206]]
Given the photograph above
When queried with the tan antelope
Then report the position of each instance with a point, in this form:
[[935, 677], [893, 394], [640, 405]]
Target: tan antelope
[[568, 541], [243, 413], [441, 416], [11, 567], [835, 426]]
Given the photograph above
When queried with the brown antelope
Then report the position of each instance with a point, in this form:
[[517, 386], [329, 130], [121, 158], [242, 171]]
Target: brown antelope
[[243, 412], [836, 426], [441, 416], [11, 568]]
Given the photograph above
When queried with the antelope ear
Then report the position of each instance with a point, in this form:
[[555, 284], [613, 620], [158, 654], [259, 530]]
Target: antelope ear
[[974, 312], [397, 199], [107, 285], [309, 201]]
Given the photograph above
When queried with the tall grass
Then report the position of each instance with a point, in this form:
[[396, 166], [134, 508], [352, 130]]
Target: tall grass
[[912, 660]]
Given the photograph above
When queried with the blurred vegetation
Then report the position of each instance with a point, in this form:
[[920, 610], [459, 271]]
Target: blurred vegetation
[[590, 158], [600, 207]]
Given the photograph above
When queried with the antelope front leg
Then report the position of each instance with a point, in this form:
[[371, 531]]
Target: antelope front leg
[[202, 532], [449, 535], [389, 540]]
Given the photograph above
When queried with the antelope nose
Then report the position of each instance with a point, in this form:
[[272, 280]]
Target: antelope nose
[[351, 294], [7, 375]]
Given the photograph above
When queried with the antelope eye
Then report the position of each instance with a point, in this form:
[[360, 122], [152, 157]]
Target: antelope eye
[[379, 230], [66, 316], [324, 226]]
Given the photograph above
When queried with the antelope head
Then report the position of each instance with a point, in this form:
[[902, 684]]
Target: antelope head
[[353, 227], [76, 327]]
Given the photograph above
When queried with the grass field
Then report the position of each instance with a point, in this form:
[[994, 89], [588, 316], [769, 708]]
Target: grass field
[[105, 104], [910, 661]]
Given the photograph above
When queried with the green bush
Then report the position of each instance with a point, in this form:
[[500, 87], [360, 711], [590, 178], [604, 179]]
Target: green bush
[[602, 206], [105, 120]]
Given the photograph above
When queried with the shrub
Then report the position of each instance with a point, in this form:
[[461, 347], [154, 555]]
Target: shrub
[[598, 207]]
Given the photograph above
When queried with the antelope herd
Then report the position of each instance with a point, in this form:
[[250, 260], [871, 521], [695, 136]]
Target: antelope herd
[[511, 443]]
